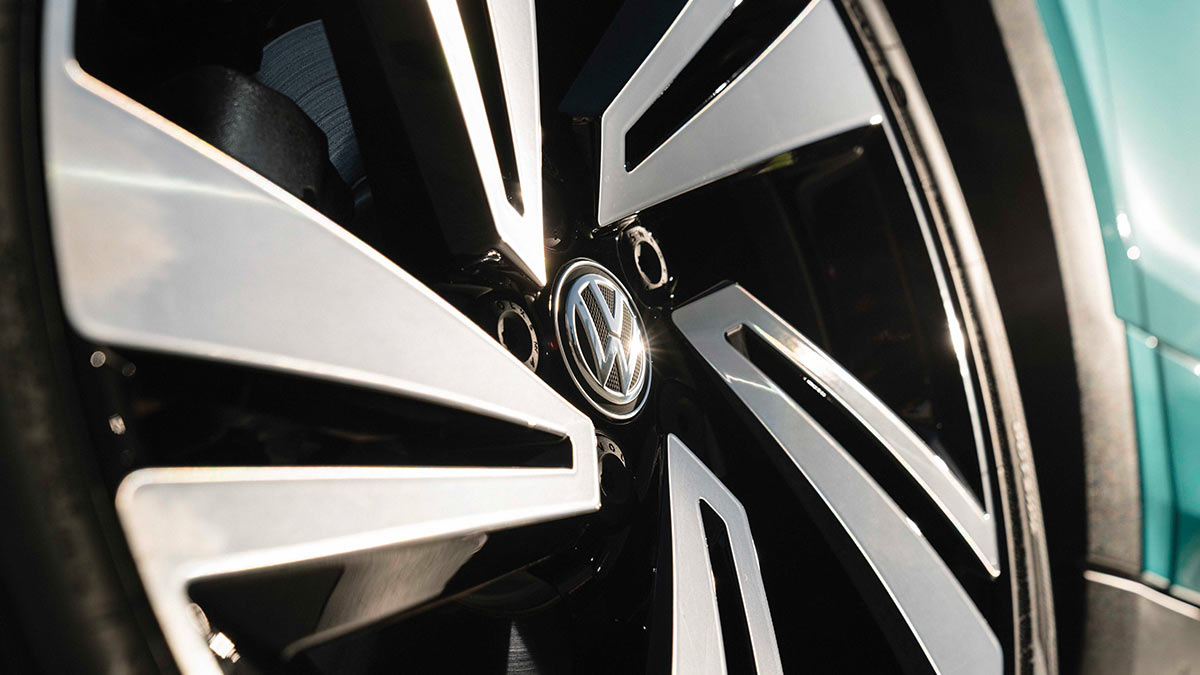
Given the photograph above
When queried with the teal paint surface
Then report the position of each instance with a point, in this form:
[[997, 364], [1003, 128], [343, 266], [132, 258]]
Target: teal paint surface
[[1131, 71], [1152, 52], [1073, 29], [1158, 504], [1181, 389]]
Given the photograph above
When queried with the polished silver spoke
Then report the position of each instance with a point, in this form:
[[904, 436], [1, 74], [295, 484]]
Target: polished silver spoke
[[948, 627], [417, 524], [732, 308], [165, 244], [515, 37], [696, 632], [809, 84]]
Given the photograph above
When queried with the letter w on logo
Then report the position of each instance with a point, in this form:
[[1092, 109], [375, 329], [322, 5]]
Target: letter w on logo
[[615, 353]]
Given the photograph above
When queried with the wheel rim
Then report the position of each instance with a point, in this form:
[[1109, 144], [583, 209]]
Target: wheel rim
[[164, 244]]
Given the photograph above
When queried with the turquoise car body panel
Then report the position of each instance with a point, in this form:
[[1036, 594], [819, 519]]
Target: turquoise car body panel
[[1132, 77], [1158, 503]]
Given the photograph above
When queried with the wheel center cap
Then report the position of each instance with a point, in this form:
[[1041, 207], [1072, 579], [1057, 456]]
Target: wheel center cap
[[601, 338]]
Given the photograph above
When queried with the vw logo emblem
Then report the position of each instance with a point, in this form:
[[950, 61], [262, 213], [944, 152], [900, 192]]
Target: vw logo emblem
[[602, 339]]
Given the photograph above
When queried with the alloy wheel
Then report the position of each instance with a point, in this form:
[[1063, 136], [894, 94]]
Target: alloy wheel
[[545, 374]]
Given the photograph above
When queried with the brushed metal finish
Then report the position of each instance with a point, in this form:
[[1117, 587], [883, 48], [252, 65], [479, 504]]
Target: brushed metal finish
[[732, 307], [165, 244], [515, 34], [809, 84], [696, 645], [948, 626]]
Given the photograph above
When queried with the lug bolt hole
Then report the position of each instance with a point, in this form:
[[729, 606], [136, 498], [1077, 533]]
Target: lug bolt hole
[[648, 258], [616, 481], [515, 331], [650, 264]]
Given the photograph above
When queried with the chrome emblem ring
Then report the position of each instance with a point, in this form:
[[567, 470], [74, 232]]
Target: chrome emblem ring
[[602, 339]]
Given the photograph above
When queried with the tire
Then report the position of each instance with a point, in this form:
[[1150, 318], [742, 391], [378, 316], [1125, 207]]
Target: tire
[[66, 600]]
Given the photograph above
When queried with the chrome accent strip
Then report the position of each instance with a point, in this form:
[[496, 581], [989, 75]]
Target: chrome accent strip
[[807, 85], [696, 645], [1187, 594], [163, 243], [1161, 599], [948, 626], [1133, 629]]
